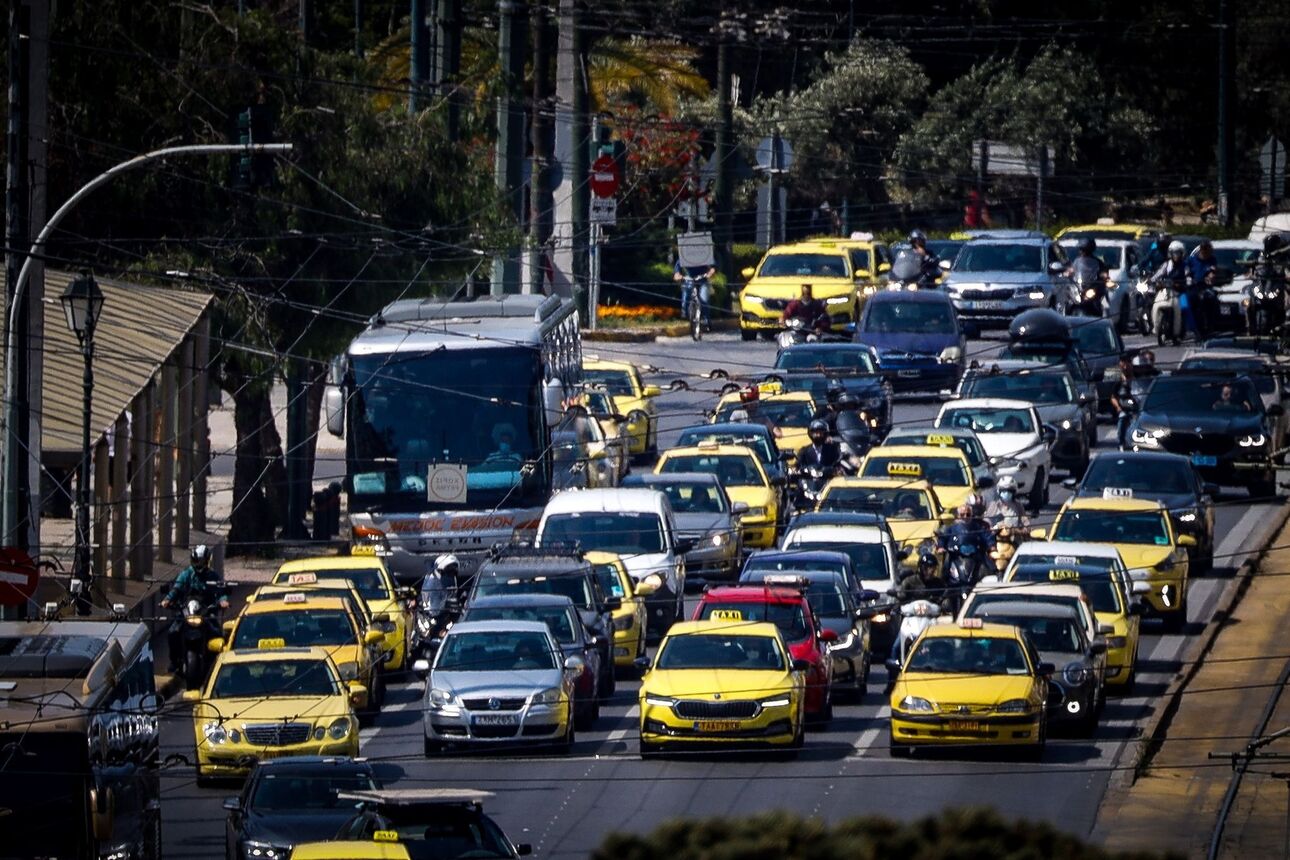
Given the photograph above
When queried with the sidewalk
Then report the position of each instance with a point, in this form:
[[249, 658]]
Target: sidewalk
[[1174, 803]]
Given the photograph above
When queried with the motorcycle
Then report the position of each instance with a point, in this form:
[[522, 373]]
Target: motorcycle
[[795, 332], [1090, 288], [200, 630], [963, 564], [915, 617], [438, 608], [907, 272], [1146, 291], [1166, 312], [808, 484], [1267, 310]]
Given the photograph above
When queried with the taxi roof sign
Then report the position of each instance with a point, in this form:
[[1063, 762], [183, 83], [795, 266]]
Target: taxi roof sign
[[1059, 574], [909, 470], [271, 643], [942, 439], [363, 549], [385, 836], [726, 615], [971, 624], [709, 445], [294, 597], [302, 578], [1117, 492], [785, 579]]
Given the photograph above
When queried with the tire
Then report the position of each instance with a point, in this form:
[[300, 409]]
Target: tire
[[571, 737], [1037, 752], [1039, 493], [585, 717], [1175, 621], [1264, 489], [648, 750], [746, 334], [695, 316], [193, 670], [899, 750], [432, 748]]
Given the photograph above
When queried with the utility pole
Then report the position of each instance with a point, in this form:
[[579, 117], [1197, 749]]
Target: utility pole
[[1226, 130], [571, 152], [1039, 186], [447, 63], [420, 56], [17, 493], [540, 141], [358, 29], [306, 21], [723, 187], [692, 215], [508, 169]]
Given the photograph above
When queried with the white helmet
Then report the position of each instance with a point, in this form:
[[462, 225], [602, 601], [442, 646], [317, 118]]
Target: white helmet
[[1176, 247], [444, 562], [1007, 482]]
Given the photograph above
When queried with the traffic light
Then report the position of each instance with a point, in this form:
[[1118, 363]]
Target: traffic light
[[252, 169]]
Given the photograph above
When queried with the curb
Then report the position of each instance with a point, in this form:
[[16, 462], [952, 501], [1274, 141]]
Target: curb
[[1157, 725]]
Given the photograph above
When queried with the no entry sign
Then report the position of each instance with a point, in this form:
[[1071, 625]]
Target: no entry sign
[[604, 176]]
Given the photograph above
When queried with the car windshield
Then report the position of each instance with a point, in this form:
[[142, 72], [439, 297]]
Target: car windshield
[[1236, 259], [556, 618], [782, 413], [734, 470], [1109, 254], [617, 383], [891, 317], [1139, 527], [1256, 370], [444, 833], [693, 498], [610, 582], [1178, 395], [1060, 635], [828, 600], [480, 409], [1150, 477], [1101, 592], [986, 420], [999, 258], [937, 471], [598, 403], [803, 265], [896, 503], [721, 651], [759, 444], [968, 655], [1095, 340], [859, 259], [296, 628], [970, 447], [788, 617], [573, 586], [368, 580], [868, 560], [270, 678], [852, 359], [793, 562], [300, 792], [1038, 388], [630, 532], [495, 651]]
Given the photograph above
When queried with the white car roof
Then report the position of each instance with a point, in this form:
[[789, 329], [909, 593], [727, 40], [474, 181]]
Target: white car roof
[[986, 403], [1241, 244], [1037, 589], [854, 534], [611, 500], [1062, 547]]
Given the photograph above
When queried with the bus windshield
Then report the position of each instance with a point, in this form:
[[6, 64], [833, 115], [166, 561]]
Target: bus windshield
[[478, 408]]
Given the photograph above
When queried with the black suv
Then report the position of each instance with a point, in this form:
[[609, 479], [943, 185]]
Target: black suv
[[554, 569]]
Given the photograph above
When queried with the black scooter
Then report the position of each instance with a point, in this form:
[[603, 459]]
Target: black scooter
[[1267, 311], [201, 625]]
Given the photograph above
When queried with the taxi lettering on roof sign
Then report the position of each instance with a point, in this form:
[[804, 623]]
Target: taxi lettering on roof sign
[[1117, 493], [1062, 574], [940, 439], [302, 579], [727, 615], [1065, 559], [363, 549], [385, 836], [911, 470], [293, 597], [971, 624], [771, 387], [784, 579], [271, 643]]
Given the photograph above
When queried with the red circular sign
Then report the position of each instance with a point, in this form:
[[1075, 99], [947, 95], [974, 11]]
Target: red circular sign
[[604, 176], [18, 577]]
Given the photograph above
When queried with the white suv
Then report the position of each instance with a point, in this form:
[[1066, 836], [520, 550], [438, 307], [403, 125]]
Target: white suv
[[1013, 436]]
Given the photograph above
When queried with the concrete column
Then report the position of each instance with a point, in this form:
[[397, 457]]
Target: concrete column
[[120, 539], [184, 450], [140, 433], [102, 508], [201, 431], [166, 466]]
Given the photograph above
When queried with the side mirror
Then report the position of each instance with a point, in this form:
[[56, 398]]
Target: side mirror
[[1105, 630], [684, 545], [357, 695], [1039, 534], [191, 696], [373, 637], [227, 627], [945, 518], [1082, 399], [984, 482], [828, 636], [1070, 483], [233, 804], [868, 595], [613, 604], [574, 665], [1136, 609], [1097, 646], [777, 481], [1140, 588], [649, 585], [421, 667], [1056, 267], [747, 271], [893, 667], [903, 553], [884, 268], [524, 849], [651, 391], [334, 406], [739, 508], [893, 592], [382, 617], [1186, 540], [801, 665], [1045, 670], [215, 645], [945, 265]]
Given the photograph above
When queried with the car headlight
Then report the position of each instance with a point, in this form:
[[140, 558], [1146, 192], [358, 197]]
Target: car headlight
[[1066, 424], [348, 671], [1036, 295], [215, 733], [1014, 706], [339, 728], [838, 300], [844, 642], [757, 512], [1150, 438], [951, 354], [1075, 674], [1187, 516], [548, 697], [253, 848], [1253, 440], [778, 702], [658, 701], [880, 618], [720, 539], [1117, 642], [626, 622], [916, 704], [752, 300], [441, 698]]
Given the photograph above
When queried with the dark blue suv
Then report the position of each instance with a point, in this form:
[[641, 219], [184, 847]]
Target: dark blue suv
[[919, 339]]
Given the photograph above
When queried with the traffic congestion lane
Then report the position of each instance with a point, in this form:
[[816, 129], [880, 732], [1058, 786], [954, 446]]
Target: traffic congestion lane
[[565, 805]]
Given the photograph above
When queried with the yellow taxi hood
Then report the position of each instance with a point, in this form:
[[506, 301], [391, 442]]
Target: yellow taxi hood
[[707, 684], [960, 689], [791, 439], [273, 709], [791, 287], [1139, 557], [753, 497], [905, 531]]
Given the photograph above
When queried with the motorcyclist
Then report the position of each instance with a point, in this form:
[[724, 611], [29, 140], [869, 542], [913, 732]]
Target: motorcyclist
[[968, 528], [1202, 268], [1172, 279], [1089, 265], [813, 312], [850, 425], [700, 277], [1121, 398], [447, 572], [822, 453], [929, 262], [1267, 272], [1157, 254], [832, 404], [1006, 510], [922, 582], [199, 581]]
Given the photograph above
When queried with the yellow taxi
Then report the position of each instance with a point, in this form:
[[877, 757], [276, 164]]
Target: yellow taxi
[[304, 620], [384, 845], [970, 683], [945, 469], [788, 413], [1108, 231], [389, 605], [630, 618], [721, 681], [867, 258], [342, 588], [1144, 534], [779, 277], [633, 399], [912, 510], [270, 703], [744, 479], [1110, 598]]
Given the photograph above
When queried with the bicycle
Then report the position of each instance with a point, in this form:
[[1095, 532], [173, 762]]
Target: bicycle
[[693, 306]]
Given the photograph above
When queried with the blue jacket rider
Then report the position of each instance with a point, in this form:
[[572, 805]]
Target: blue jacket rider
[[197, 581]]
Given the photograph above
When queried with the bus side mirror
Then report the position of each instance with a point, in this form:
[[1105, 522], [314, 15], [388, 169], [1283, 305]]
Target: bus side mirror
[[334, 404]]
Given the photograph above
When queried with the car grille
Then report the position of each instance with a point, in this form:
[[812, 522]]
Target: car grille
[[774, 304], [502, 704], [996, 295], [277, 734], [1198, 443], [697, 710], [958, 709]]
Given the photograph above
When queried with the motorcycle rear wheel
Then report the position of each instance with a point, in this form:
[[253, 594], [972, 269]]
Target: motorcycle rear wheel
[[193, 670]]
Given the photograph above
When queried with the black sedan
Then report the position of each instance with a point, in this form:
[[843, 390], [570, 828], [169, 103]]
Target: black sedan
[[1170, 479], [1218, 422], [287, 801]]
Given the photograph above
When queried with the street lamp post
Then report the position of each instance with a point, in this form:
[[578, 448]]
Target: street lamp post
[[82, 302]]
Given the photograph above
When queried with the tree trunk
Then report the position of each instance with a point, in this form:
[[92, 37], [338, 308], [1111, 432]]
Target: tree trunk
[[313, 413], [275, 464], [252, 522]]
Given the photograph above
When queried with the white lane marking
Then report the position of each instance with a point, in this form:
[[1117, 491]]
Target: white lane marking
[[630, 718], [369, 734], [869, 735]]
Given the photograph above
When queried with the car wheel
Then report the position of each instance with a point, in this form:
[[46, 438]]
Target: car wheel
[[1174, 622], [1263, 489], [1037, 752], [585, 716], [1088, 723], [570, 737], [899, 750], [1039, 493], [432, 748], [648, 749]]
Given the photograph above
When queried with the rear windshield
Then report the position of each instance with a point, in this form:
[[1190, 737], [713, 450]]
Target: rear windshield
[[788, 617], [937, 471], [556, 618], [324, 627], [1136, 527]]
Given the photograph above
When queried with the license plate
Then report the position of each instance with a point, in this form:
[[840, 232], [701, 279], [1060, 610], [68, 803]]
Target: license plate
[[497, 720], [1228, 310], [908, 374], [1203, 460], [982, 305], [967, 726], [716, 725]]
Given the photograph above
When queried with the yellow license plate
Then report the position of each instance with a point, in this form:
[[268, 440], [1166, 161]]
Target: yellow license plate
[[717, 725], [967, 726]]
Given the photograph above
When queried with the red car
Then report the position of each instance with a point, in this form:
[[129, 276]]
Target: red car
[[787, 609]]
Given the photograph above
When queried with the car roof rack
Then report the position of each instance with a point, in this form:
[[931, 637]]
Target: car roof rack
[[418, 797], [525, 551]]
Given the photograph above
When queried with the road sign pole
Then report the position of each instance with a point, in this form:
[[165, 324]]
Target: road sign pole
[[593, 286]]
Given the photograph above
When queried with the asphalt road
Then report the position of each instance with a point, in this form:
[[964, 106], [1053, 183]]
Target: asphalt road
[[565, 805]]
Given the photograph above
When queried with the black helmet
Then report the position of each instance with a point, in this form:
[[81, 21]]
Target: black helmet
[[1086, 245], [847, 400], [200, 556], [834, 390], [927, 559], [1273, 243], [818, 426], [917, 237]]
